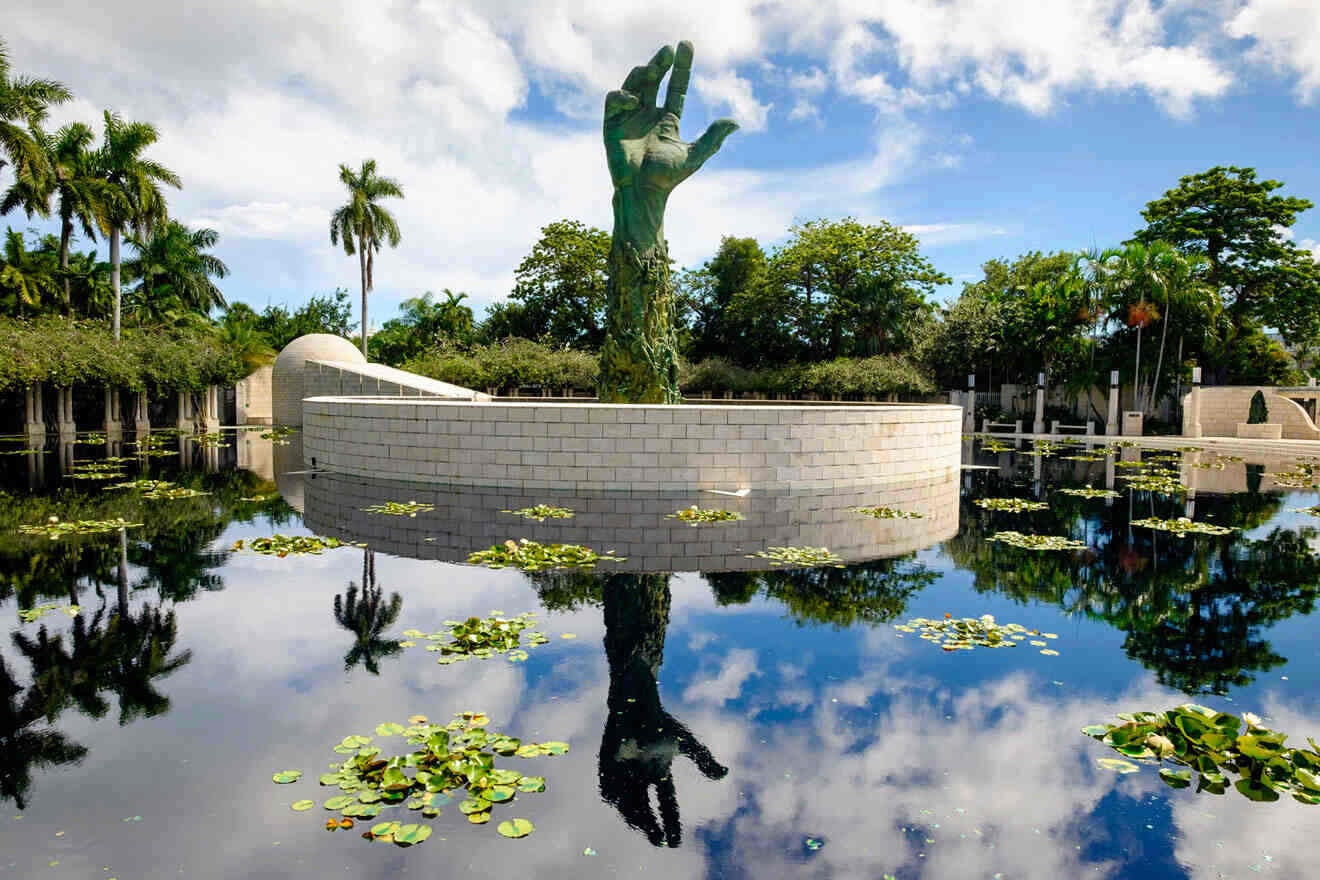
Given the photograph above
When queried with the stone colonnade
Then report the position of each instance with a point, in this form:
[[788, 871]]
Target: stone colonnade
[[190, 417]]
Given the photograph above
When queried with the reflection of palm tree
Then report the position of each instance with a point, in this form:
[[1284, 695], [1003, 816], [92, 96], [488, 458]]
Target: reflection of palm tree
[[641, 739], [22, 746], [367, 616]]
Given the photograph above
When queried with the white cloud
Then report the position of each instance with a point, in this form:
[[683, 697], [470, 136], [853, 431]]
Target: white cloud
[[1287, 38], [257, 103], [737, 666], [727, 89]]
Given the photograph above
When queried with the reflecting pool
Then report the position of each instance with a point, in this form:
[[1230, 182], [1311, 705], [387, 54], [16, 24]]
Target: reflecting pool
[[724, 716]]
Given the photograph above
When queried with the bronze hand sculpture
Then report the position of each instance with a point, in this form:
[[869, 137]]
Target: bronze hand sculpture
[[639, 361]]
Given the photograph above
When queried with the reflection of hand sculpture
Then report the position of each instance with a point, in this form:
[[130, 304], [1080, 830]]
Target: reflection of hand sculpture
[[641, 739], [646, 160]]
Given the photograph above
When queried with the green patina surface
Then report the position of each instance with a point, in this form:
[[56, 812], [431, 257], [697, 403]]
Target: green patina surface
[[646, 158]]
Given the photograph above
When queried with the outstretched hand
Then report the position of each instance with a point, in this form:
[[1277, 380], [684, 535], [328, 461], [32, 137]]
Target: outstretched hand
[[642, 144]]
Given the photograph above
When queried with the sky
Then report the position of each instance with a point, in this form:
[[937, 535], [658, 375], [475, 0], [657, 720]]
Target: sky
[[989, 128]]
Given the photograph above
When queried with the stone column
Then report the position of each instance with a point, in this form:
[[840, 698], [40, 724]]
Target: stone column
[[1112, 426], [114, 426], [1192, 418], [211, 409], [34, 423], [141, 414], [969, 407], [64, 412], [186, 421], [1038, 426]]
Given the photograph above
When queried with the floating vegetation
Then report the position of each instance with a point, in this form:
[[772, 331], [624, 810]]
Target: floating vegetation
[[1010, 505], [154, 444], [1037, 542], [1303, 477], [90, 438], [1088, 492], [886, 513], [542, 512], [159, 489], [1161, 483], [456, 757], [34, 614], [996, 446], [280, 435], [292, 545], [966, 633], [21, 452], [1182, 526], [400, 508], [109, 469], [695, 516], [483, 637], [56, 528], [1311, 511], [1190, 449], [1134, 463], [1043, 448], [213, 440], [799, 557], [254, 499], [1083, 458], [1217, 463], [1214, 746], [532, 556]]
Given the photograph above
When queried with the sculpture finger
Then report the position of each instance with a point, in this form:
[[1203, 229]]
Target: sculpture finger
[[655, 71], [678, 80], [619, 101], [708, 144]]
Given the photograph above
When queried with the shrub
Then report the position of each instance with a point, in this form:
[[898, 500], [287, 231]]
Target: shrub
[[508, 365], [64, 352], [1259, 414], [882, 374]]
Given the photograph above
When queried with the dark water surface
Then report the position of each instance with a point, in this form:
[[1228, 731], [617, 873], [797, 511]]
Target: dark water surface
[[736, 723]]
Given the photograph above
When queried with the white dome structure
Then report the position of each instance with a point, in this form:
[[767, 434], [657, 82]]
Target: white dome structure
[[286, 381]]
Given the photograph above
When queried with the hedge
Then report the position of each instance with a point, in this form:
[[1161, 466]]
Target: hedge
[[517, 363], [63, 352]]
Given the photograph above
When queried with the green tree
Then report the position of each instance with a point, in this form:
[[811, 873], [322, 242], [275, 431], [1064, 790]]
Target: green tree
[[853, 280], [73, 182], [424, 322], [27, 277], [560, 285], [330, 313], [174, 272], [132, 197], [364, 225], [1228, 216], [24, 101], [738, 270]]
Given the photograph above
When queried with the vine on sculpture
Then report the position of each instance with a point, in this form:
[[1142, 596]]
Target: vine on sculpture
[[639, 360]]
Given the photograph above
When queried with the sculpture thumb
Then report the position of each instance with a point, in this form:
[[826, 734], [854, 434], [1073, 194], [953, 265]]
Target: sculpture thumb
[[710, 141]]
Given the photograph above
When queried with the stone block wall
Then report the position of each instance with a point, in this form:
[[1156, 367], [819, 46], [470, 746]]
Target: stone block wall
[[1221, 408], [637, 447], [633, 525]]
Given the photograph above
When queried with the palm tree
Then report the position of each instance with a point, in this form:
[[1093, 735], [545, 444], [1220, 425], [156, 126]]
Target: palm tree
[[1143, 267], [367, 618], [132, 197], [24, 100], [27, 275], [1182, 285], [171, 264], [366, 222]]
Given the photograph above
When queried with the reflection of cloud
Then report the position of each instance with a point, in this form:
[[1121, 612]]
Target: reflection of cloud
[[738, 666]]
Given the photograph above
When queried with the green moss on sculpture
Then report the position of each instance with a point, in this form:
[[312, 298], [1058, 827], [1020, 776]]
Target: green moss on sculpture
[[639, 359]]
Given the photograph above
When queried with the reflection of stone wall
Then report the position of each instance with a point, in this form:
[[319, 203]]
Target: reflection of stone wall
[[632, 524], [590, 446], [1233, 478]]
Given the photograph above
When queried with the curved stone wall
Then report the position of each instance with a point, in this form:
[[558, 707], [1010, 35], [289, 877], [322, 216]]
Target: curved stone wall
[[286, 380], [630, 524], [640, 447]]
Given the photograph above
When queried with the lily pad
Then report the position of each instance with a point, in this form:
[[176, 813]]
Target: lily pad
[[284, 777], [516, 828], [339, 802], [1117, 765], [302, 806], [411, 834]]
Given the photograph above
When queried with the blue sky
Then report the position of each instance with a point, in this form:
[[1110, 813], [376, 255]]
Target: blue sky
[[987, 127]]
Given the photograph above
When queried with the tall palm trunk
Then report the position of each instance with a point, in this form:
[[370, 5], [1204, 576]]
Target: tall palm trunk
[[1159, 361], [66, 236], [114, 276], [362, 264], [1136, 376]]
